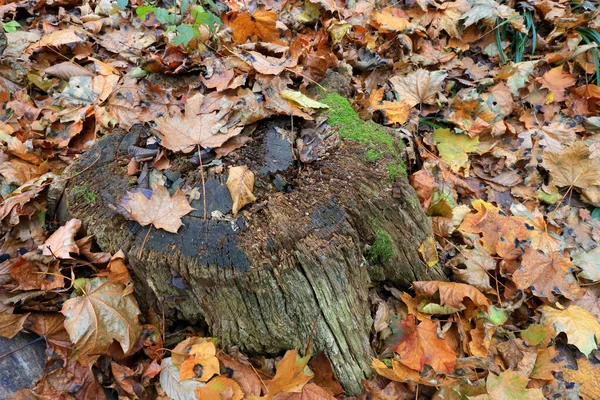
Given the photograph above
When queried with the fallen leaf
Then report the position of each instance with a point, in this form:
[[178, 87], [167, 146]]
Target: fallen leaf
[[169, 381], [420, 345], [586, 375], [453, 148], [388, 21], [117, 270], [580, 326], [473, 266], [589, 262], [100, 315], [220, 388], [261, 24], [547, 274], [291, 375], [72, 381], [302, 99], [62, 242], [52, 328], [202, 363], [419, 87], [557, 81], [544, 367], [395, 112], [240, 183], [509, 385], [159, 208], [244, 375], [573, 167], [451, 293], [124, 377], [11, 324]]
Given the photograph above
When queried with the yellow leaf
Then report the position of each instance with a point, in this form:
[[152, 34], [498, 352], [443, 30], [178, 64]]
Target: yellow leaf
[[240, 184], [220, 388], [291, 375], [302, 99], [586, 375], [454, 148], [581, 326], [429, 252]]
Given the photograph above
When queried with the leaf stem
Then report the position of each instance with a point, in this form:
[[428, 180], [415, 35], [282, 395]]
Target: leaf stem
[[144, 242]]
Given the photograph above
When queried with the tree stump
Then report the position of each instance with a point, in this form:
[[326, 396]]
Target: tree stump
[[294, 267]]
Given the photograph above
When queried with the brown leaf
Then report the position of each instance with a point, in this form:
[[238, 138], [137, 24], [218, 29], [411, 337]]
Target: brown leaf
[[62, 242], [158, 209], [117, 271], [73, 381], [573, 167], [124, 377], [85, 249], [419, 87], [240, 183], [99, 316], [30, 275], [290, 375], [11, 324], [387, 21], [184, 132], [557, 81], [324, 375], [451, 293], [546, 275], [52, 328], [244, 376], [261, 25], [66, 70]]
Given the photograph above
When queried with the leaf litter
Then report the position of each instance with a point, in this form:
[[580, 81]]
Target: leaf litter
[[498, 101]]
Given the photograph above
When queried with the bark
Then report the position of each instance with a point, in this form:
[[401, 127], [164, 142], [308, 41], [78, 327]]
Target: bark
[[294, 270]]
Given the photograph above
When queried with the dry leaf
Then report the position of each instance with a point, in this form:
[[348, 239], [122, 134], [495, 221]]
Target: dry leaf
[[261, 24], [573, 167], [582, 327], [62, 242], [105, 312], [202, 363], [11, 324], [240, 183], [169, 381], [159, 209], [220, 388], [452, 294], [291, 375], [419, 87]]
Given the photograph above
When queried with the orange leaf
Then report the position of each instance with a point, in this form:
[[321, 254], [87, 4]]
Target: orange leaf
[[220, 388], [261, 24], [451, 293], [291, 375], [421, 345]]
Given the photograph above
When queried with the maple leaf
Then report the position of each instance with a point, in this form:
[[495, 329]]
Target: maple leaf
[[390, 22], [157, 208], [240, 183], [544, 368], [445, 17], [573, 167], [494, 226], [509, 385], [421, 345], [105, 312], [557, 81], [517, 75], [452, 294], [220, 388], [589, 262], [184, 132], [52, 328], [291, 375], [472, 265], [489, 11], [586, 375], [419, 87], [261, 24], [546, 274], [244, 375], [581, 326], [454, 148], [117, 271], [62, 242], [395, 112]]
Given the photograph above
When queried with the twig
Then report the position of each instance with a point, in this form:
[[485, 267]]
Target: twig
[[83, 170], [202, 179], [144, 242], [22, 347]]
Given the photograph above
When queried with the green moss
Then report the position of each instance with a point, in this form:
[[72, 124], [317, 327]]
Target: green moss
[[378, 143], [382, 248], [85, 193], [396, 170]]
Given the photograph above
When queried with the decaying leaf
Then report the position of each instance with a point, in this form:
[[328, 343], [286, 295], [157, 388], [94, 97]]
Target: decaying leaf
[[11, 324], [573, 167], [220, 388], [240, 183], [419, 87], [62, 242], [452, 294], [103, 313], [580, 326]]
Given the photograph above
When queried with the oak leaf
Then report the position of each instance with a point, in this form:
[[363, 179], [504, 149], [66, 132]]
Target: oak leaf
[[546, 274], [103, 313], [421, 345], [452, 294], [62, 242], [240, 183], [419, 87], [573, 167], [580, 326], [158, 208]]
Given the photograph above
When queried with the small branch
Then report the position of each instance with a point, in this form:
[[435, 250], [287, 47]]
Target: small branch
[[202, 179], [144, 242], [21, 348]]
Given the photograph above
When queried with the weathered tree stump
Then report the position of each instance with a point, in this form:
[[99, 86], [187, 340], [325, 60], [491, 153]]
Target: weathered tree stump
[[295, 267]]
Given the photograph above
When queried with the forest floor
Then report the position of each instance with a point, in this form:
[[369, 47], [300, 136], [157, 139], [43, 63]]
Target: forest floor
[[496, 102]]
